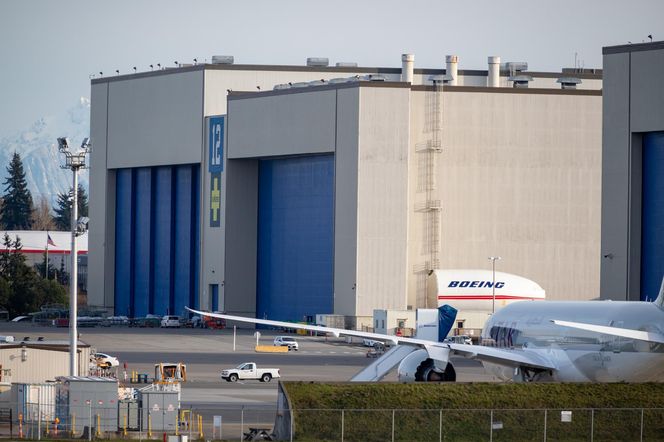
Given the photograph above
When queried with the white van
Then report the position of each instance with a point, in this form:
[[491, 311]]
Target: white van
[[170, 321]]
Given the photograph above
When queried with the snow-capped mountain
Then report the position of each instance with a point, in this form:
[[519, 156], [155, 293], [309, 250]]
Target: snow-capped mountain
[[37, 146]]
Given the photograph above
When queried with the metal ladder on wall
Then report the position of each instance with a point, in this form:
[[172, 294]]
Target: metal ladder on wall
[[428, 152]]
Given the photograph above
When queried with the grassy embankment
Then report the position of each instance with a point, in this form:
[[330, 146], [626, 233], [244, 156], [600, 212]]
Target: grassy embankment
[[466, 411]]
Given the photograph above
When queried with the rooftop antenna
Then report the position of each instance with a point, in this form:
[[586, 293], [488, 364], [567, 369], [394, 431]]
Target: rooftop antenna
[[650, 37], [576, 61], [176, 63], [195, 61], [159, 65], [152, 67], [134, 69], [117, 72], [101, 74]]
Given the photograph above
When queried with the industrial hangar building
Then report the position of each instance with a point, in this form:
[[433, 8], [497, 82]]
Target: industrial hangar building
[[633, 172], [290, 191]]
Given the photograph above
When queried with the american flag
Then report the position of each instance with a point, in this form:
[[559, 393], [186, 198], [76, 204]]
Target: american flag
[[49, 240]]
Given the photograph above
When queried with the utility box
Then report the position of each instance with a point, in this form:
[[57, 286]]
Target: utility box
[[92, 400], [34, 402], [160, 403], [128, 414]]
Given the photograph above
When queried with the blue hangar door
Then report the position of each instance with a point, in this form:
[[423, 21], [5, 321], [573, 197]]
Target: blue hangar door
[[295, 237], [157, 218], [652, 215]]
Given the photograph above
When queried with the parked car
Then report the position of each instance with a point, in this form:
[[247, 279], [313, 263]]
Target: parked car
[[249, 370], [461, 339], [170, 321], [148, 321], [371, 342], [104, 360], [286, 341]]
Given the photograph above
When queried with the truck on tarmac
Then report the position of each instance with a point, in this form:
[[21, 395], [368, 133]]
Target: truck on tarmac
[[249, 370]]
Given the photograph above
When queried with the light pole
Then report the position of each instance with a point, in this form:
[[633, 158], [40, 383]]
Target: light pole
[[493, 260], [74, 161]]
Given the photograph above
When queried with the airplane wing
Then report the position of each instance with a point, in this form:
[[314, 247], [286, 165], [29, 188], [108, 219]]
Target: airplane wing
[[394, 340], [615, 331], [437, 350], [503, 356]]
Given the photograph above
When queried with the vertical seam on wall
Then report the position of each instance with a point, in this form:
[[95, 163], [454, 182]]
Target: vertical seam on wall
[[334, 197], [629, 176], [171, 282], [132, 244], [202, 186], [194, 220], [114, 202], [153, 207]]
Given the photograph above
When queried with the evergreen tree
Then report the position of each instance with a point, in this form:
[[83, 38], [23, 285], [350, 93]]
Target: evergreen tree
[[63, 210], [63, 276], [39, 267], [16, 211], [5, 293]]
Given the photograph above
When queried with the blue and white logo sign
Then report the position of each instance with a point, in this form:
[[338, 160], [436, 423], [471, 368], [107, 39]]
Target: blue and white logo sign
[[216, 144]]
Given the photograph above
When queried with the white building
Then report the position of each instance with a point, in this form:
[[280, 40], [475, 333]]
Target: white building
[[338, 196]]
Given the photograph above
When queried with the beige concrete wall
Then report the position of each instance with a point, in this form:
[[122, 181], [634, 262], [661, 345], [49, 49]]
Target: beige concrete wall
[[382, 201], [519, 177]]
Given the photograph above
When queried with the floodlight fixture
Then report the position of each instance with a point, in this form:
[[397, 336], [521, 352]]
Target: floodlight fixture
[[74, 161]]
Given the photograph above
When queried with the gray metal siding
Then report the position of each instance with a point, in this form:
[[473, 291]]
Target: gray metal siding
[[282, 125], [155, 121], [345, 210], [615, 185]]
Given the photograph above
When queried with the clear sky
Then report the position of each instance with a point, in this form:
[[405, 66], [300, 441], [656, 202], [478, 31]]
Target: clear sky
[[49, 49]]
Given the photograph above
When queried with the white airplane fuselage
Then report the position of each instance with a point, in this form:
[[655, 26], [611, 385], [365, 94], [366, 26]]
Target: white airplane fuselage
[[581, 355]]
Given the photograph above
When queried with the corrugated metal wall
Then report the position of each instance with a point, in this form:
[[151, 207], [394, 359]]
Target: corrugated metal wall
[[40, 365], [295, 237], [157, 225], [652, 219]]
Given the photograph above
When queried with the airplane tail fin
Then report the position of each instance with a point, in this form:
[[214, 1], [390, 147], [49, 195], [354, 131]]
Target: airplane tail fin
[[660, 298], [446, 316]]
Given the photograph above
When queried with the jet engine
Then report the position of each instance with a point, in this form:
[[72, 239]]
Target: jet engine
[[419, 367]]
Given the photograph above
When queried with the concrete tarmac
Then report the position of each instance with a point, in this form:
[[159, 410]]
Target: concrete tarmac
[[207, 352]]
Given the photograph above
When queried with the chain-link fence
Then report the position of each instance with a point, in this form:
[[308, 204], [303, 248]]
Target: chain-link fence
[[92, 421]]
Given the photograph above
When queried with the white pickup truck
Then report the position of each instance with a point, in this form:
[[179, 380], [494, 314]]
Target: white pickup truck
[[248, 370]]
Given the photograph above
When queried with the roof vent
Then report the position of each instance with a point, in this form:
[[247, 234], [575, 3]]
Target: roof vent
[[223, 59], [340, 80], [346, 64], [568, 82], [441, 79], [318, 61], [372, 77], [520, 81], [513, 67]]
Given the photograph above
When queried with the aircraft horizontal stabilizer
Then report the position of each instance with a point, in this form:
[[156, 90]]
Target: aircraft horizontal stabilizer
[[615, 331]]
